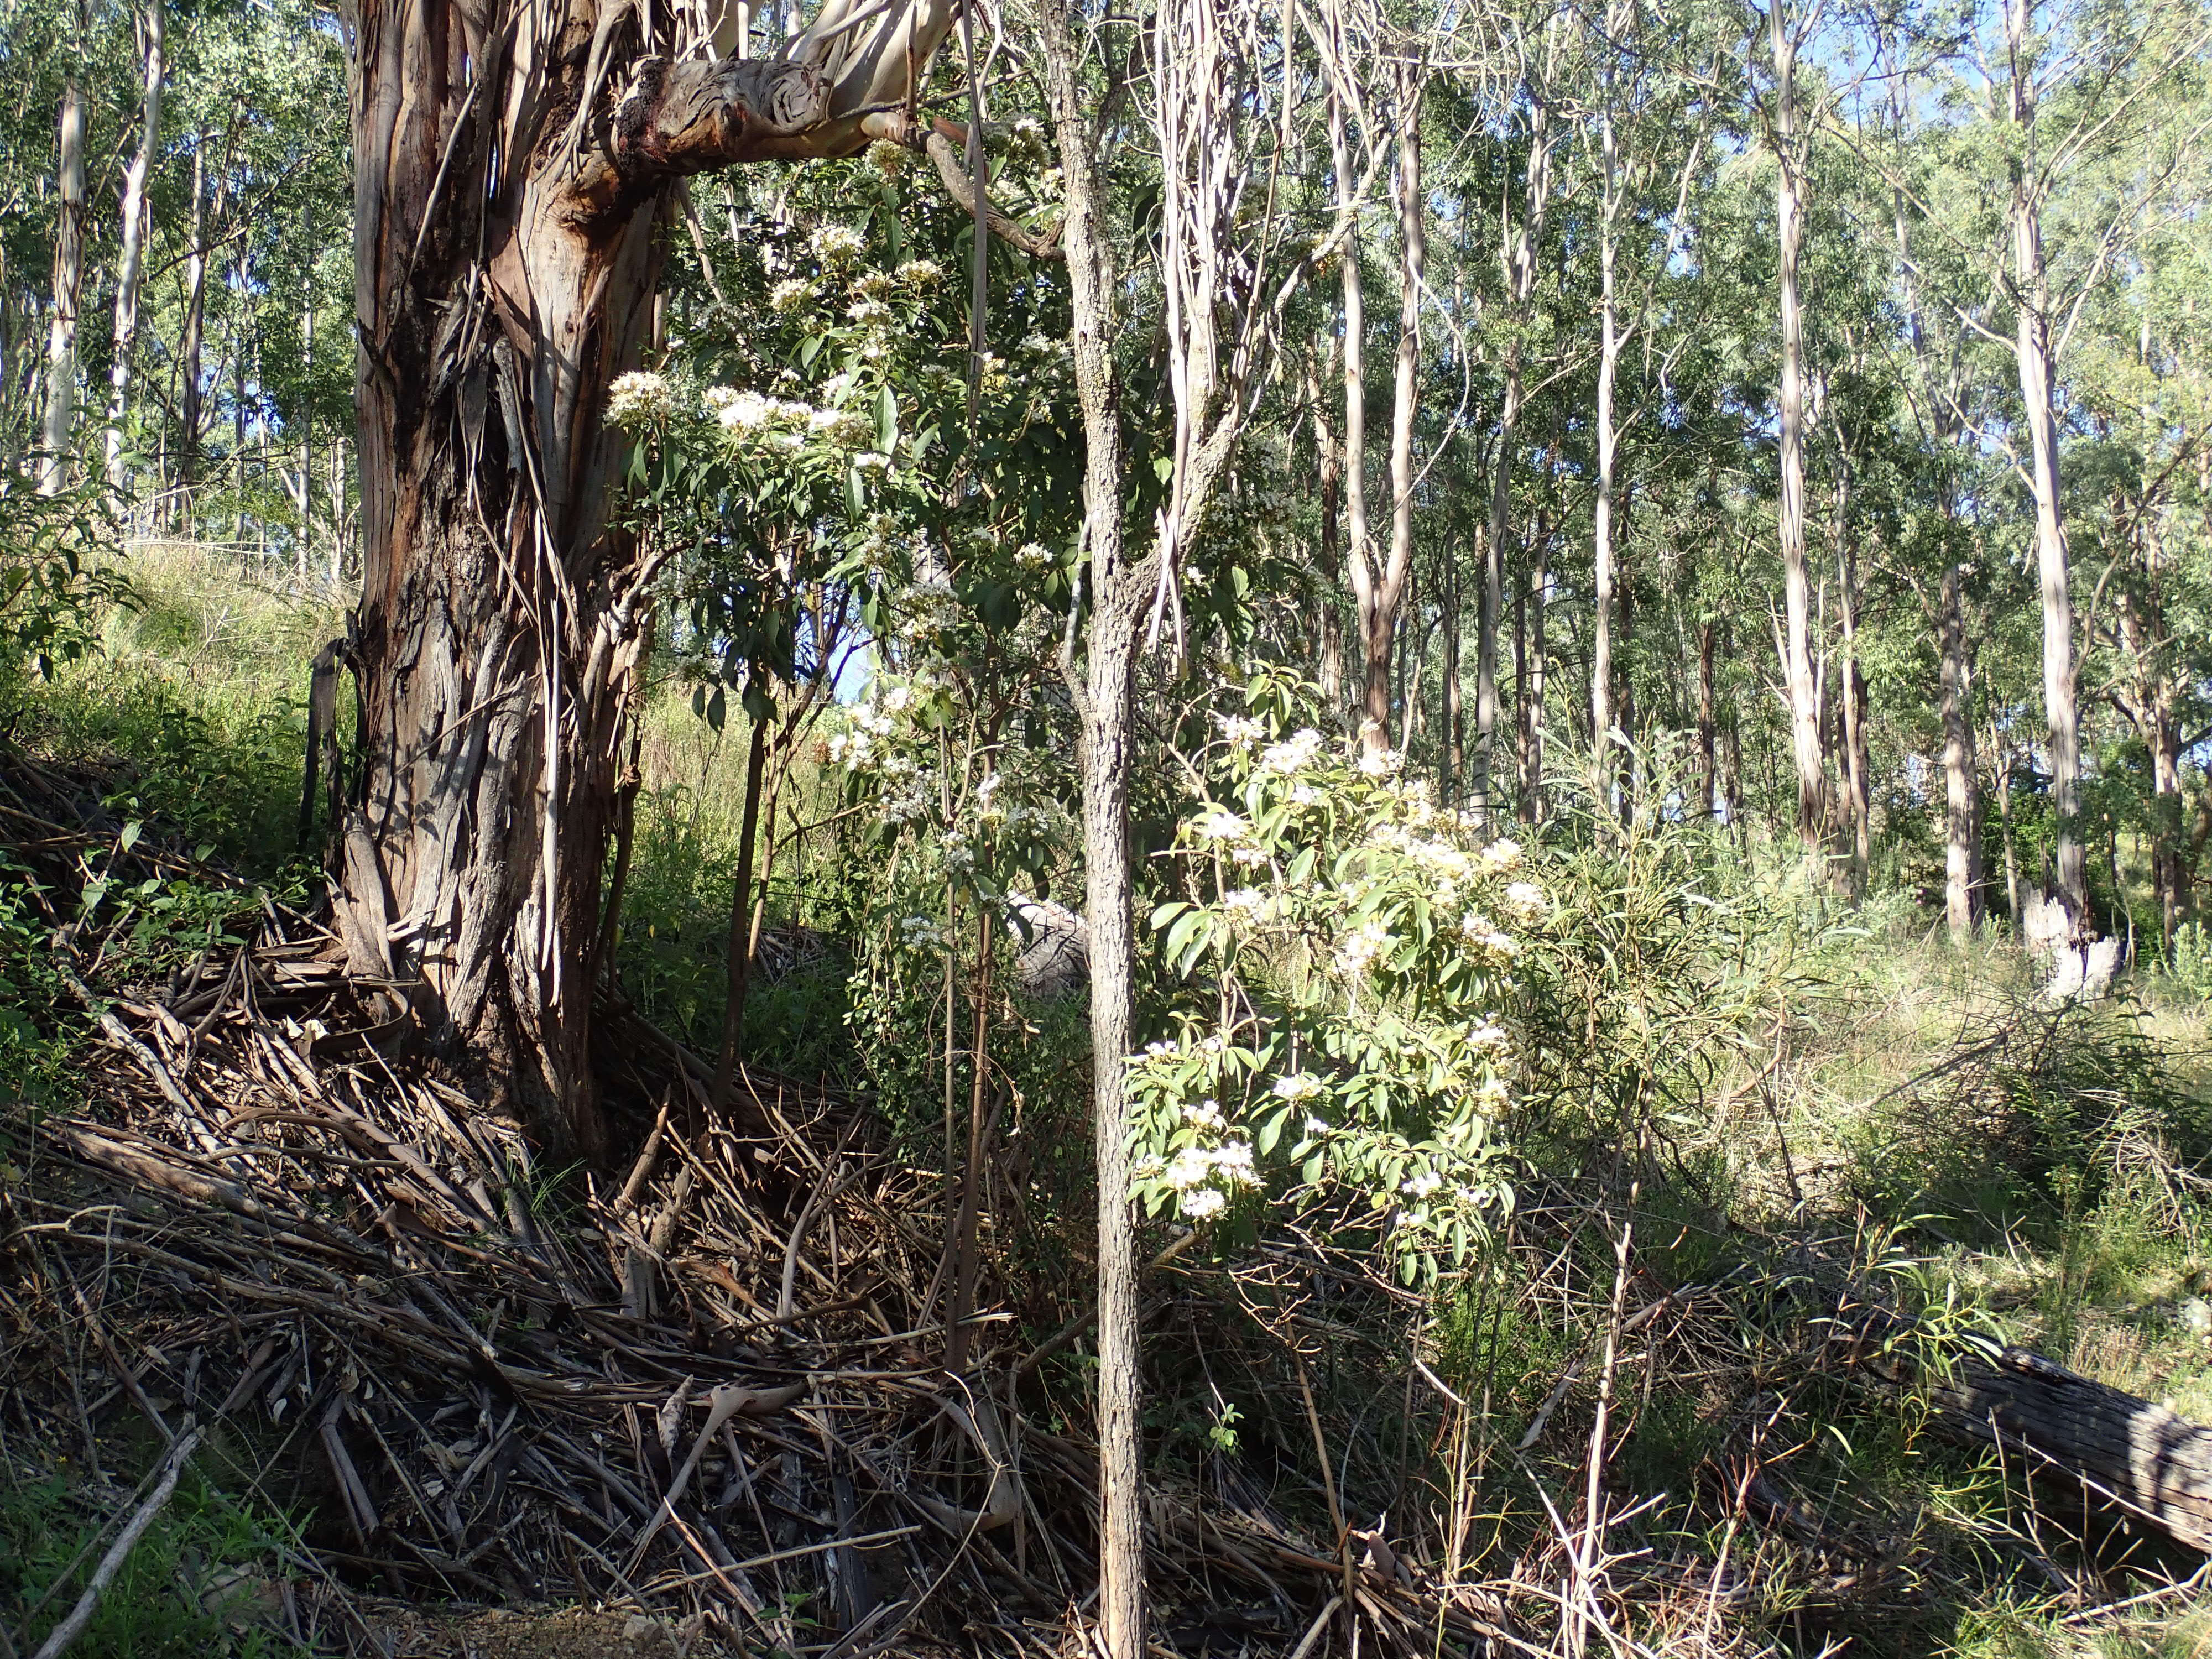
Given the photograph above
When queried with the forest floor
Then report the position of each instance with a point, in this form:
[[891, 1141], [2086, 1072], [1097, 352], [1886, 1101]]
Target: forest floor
[[1917, 1118]]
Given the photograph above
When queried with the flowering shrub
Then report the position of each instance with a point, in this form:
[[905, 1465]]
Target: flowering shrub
[[1358, 945]]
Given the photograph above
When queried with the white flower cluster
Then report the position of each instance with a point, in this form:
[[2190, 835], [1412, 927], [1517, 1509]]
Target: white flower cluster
[[919, 273], [1204, 1177], [1359, 951], [1221, 824], [921, 934], [1240, 730], [1479, 931], [1295, 754], [1527, 901], [1034, 555], [640, 398], [785, 423], [837, 244], [791, 294], [1297, 1086]]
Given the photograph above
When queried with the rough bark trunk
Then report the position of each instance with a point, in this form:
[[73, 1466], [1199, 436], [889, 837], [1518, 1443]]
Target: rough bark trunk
[[1962, 845], [1797, 666], [509, 189], [68, 278], [130, 262], [1531, 804], [2032, 353], [1104, 689]]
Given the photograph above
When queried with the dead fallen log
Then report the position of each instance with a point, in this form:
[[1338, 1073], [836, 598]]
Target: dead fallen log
[[2126, 1451], [2134, 1453]]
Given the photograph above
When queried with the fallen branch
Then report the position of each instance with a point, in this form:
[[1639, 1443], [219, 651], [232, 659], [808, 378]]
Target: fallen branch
[[120, 1552]]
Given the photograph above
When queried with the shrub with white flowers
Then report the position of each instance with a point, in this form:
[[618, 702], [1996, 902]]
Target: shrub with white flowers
[[1348, 1023]]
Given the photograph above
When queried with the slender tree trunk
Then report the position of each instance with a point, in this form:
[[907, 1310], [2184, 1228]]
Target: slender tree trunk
[[1331, 460], [1853, 687], [1601, 683], [68, 278], [1797, 666], [132, 261], [1962, 850], [1708, 766], [2033, 354], [1455, 755], [1358, 551], [2004, 753], [1523, 243], [1532, 709], [1104, 690], [191, 342], [1393, 593]]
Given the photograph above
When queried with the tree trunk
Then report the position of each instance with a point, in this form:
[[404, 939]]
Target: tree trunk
[[508, 191], [132, 261], [1331, 459], [2033, 356], [68, 278], [191, 342], [1962, 844], [1523, 246], [1797, 665], [1454, 748], [1708, 765], [1104, 693], [2004, 820], [1852, 686], [1601, 683]]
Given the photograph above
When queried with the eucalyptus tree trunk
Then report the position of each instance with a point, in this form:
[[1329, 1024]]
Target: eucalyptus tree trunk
[[510, 181], [1708, 765], [1382, 600], [191, 340], [2033, 356], [1797, 655], [130, 262], [1608, 368], [1104, 689], [1358, 544], [1962, 843], [69, 279], [1852, 686], [1523, 243]]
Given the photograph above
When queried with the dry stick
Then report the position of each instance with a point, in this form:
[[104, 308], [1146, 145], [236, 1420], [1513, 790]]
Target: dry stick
[[1335, 1509], [118, 1553]]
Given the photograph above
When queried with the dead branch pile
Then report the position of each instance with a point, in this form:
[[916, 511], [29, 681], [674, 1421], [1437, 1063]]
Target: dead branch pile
[[713, 1388]]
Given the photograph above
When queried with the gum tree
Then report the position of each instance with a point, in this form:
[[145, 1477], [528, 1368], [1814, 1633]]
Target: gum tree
[[514, 168]]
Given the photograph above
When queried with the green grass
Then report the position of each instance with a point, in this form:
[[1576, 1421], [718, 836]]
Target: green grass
[[202, 1582]]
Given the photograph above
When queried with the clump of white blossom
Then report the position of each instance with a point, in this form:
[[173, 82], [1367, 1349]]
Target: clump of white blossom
[[640, 398]]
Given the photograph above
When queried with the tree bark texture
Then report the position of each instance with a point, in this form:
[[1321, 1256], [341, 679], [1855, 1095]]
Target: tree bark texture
[[509, 186], [69, 279], [1104, 689]]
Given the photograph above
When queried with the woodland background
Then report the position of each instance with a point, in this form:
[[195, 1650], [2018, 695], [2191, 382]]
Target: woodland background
[[1678, 616]]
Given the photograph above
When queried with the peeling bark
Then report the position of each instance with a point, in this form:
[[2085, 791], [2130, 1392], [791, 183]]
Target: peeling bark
[[509, 186]]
